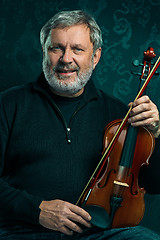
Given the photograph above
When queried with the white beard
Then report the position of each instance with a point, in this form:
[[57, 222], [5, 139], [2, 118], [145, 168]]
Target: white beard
[[62, 86]]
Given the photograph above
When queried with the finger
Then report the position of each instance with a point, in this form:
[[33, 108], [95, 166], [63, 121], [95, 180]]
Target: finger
[[81, 212], [130, 104], [142, 108], [147, 123], [153, 126], [66, 231], [144, 112], [77, 218], [143, 99], [147, 115], [73, 226]]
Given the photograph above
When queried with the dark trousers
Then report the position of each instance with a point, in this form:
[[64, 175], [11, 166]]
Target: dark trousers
[[133, 233]]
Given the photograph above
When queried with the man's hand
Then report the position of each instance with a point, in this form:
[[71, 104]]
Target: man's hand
[[145, 113], [63, 216]]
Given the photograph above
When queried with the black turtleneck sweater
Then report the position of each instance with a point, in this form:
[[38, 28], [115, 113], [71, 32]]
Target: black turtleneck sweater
[[49, 146]]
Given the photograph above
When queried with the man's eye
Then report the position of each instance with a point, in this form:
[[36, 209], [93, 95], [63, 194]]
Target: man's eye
[[54, 49], [78, 50]]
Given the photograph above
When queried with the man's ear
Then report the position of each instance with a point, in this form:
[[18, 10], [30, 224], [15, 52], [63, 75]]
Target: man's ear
[[96, 57]]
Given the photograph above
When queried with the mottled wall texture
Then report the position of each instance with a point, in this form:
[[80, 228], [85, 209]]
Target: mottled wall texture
[[129, 27]]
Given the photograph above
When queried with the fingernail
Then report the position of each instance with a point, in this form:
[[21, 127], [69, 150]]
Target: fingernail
[[89, 218], [134, 104]]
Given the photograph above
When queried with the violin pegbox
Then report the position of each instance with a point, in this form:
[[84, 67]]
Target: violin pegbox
[[148, 57]]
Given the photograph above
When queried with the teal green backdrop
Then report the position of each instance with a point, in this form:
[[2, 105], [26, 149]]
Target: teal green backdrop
[[129, 27]]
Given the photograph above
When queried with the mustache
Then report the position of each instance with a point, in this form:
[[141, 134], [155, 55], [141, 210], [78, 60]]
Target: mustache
[[65, 67]]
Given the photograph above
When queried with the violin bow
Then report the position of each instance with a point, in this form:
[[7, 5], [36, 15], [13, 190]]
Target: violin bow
[[114, 139]]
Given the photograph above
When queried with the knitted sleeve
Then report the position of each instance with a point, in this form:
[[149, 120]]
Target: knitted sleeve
[[15, 204]]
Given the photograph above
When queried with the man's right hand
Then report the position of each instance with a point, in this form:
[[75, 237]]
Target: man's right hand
[[63, 216]]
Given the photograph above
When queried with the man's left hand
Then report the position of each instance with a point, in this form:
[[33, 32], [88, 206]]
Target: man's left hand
[[145, 113]]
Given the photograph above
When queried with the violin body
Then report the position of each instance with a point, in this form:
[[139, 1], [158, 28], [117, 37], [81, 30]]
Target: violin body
[[116, 192]]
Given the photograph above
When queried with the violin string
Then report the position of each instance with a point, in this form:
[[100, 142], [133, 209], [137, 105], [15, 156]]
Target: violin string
[[106, 151], [119, 130]]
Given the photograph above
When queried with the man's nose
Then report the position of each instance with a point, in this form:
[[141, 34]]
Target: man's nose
[[67, 56]]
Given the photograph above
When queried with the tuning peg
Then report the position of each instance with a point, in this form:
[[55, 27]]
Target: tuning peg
[[136, 63], [139, 74], [135, 73]]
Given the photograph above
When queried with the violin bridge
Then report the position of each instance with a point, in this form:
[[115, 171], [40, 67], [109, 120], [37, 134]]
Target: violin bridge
[[121, 183]]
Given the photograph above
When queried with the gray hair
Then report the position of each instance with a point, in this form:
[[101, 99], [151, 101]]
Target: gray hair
[[69, 18]]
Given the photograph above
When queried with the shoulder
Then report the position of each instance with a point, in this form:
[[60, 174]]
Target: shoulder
[[15, 100], [110, 99], [111, 105], [16, 93], [16, 89]]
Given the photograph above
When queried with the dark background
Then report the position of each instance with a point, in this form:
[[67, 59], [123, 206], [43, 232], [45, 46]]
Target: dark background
[[129, 28]]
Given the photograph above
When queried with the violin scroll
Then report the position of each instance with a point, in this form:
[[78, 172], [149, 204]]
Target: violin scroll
[[149, 55]]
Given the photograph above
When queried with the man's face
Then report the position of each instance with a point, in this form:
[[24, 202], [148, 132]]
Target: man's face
[[68, 59]]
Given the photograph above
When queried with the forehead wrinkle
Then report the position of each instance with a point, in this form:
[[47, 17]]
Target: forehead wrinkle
[[70, 37]]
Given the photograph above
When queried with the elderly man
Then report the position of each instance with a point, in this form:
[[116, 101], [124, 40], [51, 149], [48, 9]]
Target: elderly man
[[51, 137]]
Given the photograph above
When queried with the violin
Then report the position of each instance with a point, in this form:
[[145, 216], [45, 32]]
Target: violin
[[112, 195]]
